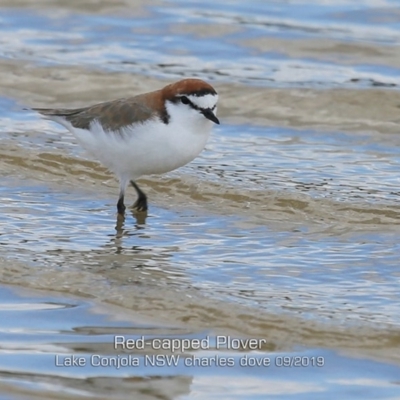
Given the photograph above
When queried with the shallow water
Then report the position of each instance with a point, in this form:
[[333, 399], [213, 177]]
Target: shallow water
[[41, 330], [285, 228]]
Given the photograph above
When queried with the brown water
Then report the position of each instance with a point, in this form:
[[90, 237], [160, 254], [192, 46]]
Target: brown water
[[284, 229]]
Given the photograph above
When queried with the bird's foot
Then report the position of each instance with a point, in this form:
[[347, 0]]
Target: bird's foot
[[121, 206], [140, 204]]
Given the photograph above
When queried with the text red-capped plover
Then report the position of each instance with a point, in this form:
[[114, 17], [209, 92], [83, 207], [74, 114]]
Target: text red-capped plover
[[151, 133]]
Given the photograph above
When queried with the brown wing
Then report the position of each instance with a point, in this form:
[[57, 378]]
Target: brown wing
[[112, 115]]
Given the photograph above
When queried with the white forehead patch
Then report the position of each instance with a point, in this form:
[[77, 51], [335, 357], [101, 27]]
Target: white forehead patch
[[206, 101]]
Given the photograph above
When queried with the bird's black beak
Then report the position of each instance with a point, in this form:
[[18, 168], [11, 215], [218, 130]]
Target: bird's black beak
[[207, 112]]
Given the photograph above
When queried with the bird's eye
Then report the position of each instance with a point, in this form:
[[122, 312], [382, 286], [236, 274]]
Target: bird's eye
[[185, 100]]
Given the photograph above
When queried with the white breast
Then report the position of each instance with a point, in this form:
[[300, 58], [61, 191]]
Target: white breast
[[147, 148]]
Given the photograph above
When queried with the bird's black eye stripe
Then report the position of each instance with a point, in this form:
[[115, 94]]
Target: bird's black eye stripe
[[185, 100]]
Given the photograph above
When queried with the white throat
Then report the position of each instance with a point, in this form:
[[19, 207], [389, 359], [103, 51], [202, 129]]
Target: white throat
[[188, 117]]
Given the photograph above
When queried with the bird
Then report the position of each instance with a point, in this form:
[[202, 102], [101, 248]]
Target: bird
[[150, 133]]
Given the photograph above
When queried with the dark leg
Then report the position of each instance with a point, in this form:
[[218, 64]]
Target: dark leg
[[141, 202], [120, 205]]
